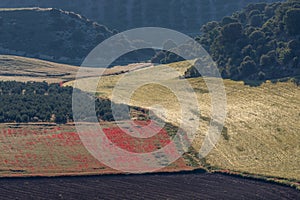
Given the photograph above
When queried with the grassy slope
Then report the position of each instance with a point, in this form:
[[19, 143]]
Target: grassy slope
[[262, 123], [28, 69], [261, 134]]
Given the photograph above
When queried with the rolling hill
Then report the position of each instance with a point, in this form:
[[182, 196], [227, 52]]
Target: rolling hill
[[49, 34], [261, 130], [260, 42], [182, 15]]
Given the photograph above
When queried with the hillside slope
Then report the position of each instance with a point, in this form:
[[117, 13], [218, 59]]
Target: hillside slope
[[260, 42], [261, 133], [182, 15], [28, 69], [49, 34]]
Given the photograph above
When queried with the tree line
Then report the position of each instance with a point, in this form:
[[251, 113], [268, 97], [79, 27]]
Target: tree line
[[260, 42], [43, 102]]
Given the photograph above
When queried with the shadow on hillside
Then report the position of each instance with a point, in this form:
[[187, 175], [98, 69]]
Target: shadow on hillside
[[253, 83], [256, 83]]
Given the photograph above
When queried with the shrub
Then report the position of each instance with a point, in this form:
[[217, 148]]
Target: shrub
[[254, 12], [247, 68], [24, 118], [228, 20], [248, 51], [292, 21], [256, 20], [261, 75], [232, 31], [209, 26], [296, 62], [256, 36], [60, 118], [265, 60], [285, 55], [293, 45], [271, 59]]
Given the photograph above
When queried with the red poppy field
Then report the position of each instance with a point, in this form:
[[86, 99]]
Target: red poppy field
[[52, 150]]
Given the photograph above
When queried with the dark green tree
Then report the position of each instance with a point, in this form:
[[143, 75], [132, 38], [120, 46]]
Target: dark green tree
[[232, 32], [292, 21]]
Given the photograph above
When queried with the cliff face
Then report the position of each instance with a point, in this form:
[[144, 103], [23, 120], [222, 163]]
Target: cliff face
[[182, 15], [49, 34]]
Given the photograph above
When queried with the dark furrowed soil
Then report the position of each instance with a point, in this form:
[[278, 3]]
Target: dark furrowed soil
[[156, 186]]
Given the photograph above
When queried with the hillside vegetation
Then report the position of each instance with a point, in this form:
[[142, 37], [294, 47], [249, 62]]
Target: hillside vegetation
[[49, 34], [182, 15], [260, 42], [43, 102]]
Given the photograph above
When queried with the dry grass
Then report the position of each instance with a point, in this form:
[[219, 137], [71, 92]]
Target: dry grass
[[263, 128], [261, 134], [28, 69]]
